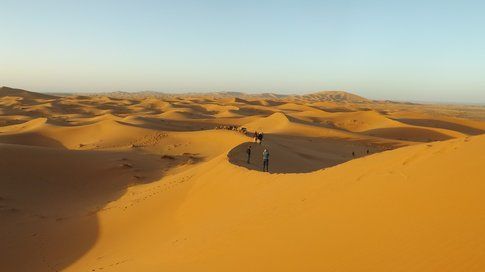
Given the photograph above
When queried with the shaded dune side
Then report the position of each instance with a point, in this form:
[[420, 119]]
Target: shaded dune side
[[415, 134], [49, 199], [463, 126]]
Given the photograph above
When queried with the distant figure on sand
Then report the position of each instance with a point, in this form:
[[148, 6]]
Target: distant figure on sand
[[265, 160], [248, 151], [353, 154], [260, 137], [256, 136]]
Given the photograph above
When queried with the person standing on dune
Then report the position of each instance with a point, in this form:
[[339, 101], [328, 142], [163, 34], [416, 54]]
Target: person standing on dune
[[248, 151], [265, 160], [260, 137], [255, 136]]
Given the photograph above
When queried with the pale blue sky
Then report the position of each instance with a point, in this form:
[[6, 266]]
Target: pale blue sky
[[406, 50]]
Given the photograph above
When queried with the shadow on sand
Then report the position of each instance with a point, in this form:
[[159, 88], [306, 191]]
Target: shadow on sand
[[295, 154], [49, 212]]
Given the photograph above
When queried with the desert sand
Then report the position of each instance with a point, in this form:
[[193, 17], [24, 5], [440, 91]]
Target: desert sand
[[124, 182]]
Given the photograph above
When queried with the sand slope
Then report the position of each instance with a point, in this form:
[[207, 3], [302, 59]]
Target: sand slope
[[395, 209]]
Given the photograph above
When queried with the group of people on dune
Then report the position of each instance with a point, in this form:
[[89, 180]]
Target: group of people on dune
[[232, 127], [259, 137]]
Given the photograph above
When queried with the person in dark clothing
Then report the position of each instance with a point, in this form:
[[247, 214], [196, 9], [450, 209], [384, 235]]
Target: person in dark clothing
[[265, 160], [256, 136], [248, 151], [260, 137], [353, 154]]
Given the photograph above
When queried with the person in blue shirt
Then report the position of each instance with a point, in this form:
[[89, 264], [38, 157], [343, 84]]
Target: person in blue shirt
[[265, 160]]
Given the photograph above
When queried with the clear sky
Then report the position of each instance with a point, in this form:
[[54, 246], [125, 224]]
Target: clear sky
[[427, 50]]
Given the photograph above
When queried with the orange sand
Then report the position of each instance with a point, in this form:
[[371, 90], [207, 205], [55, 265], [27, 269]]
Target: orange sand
[[148, 184]]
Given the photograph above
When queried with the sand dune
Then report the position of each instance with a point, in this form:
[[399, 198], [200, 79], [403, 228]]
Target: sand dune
[[22, 94], [271, 123], [461, 125], [133, 183], [334, 96]]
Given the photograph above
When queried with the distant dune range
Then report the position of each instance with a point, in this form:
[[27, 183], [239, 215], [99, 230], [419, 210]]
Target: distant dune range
[[145, 182]]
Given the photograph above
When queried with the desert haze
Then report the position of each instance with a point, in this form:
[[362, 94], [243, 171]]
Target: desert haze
[[161, 182]]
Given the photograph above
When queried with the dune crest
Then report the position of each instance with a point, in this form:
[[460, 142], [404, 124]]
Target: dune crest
[[273, 122]]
